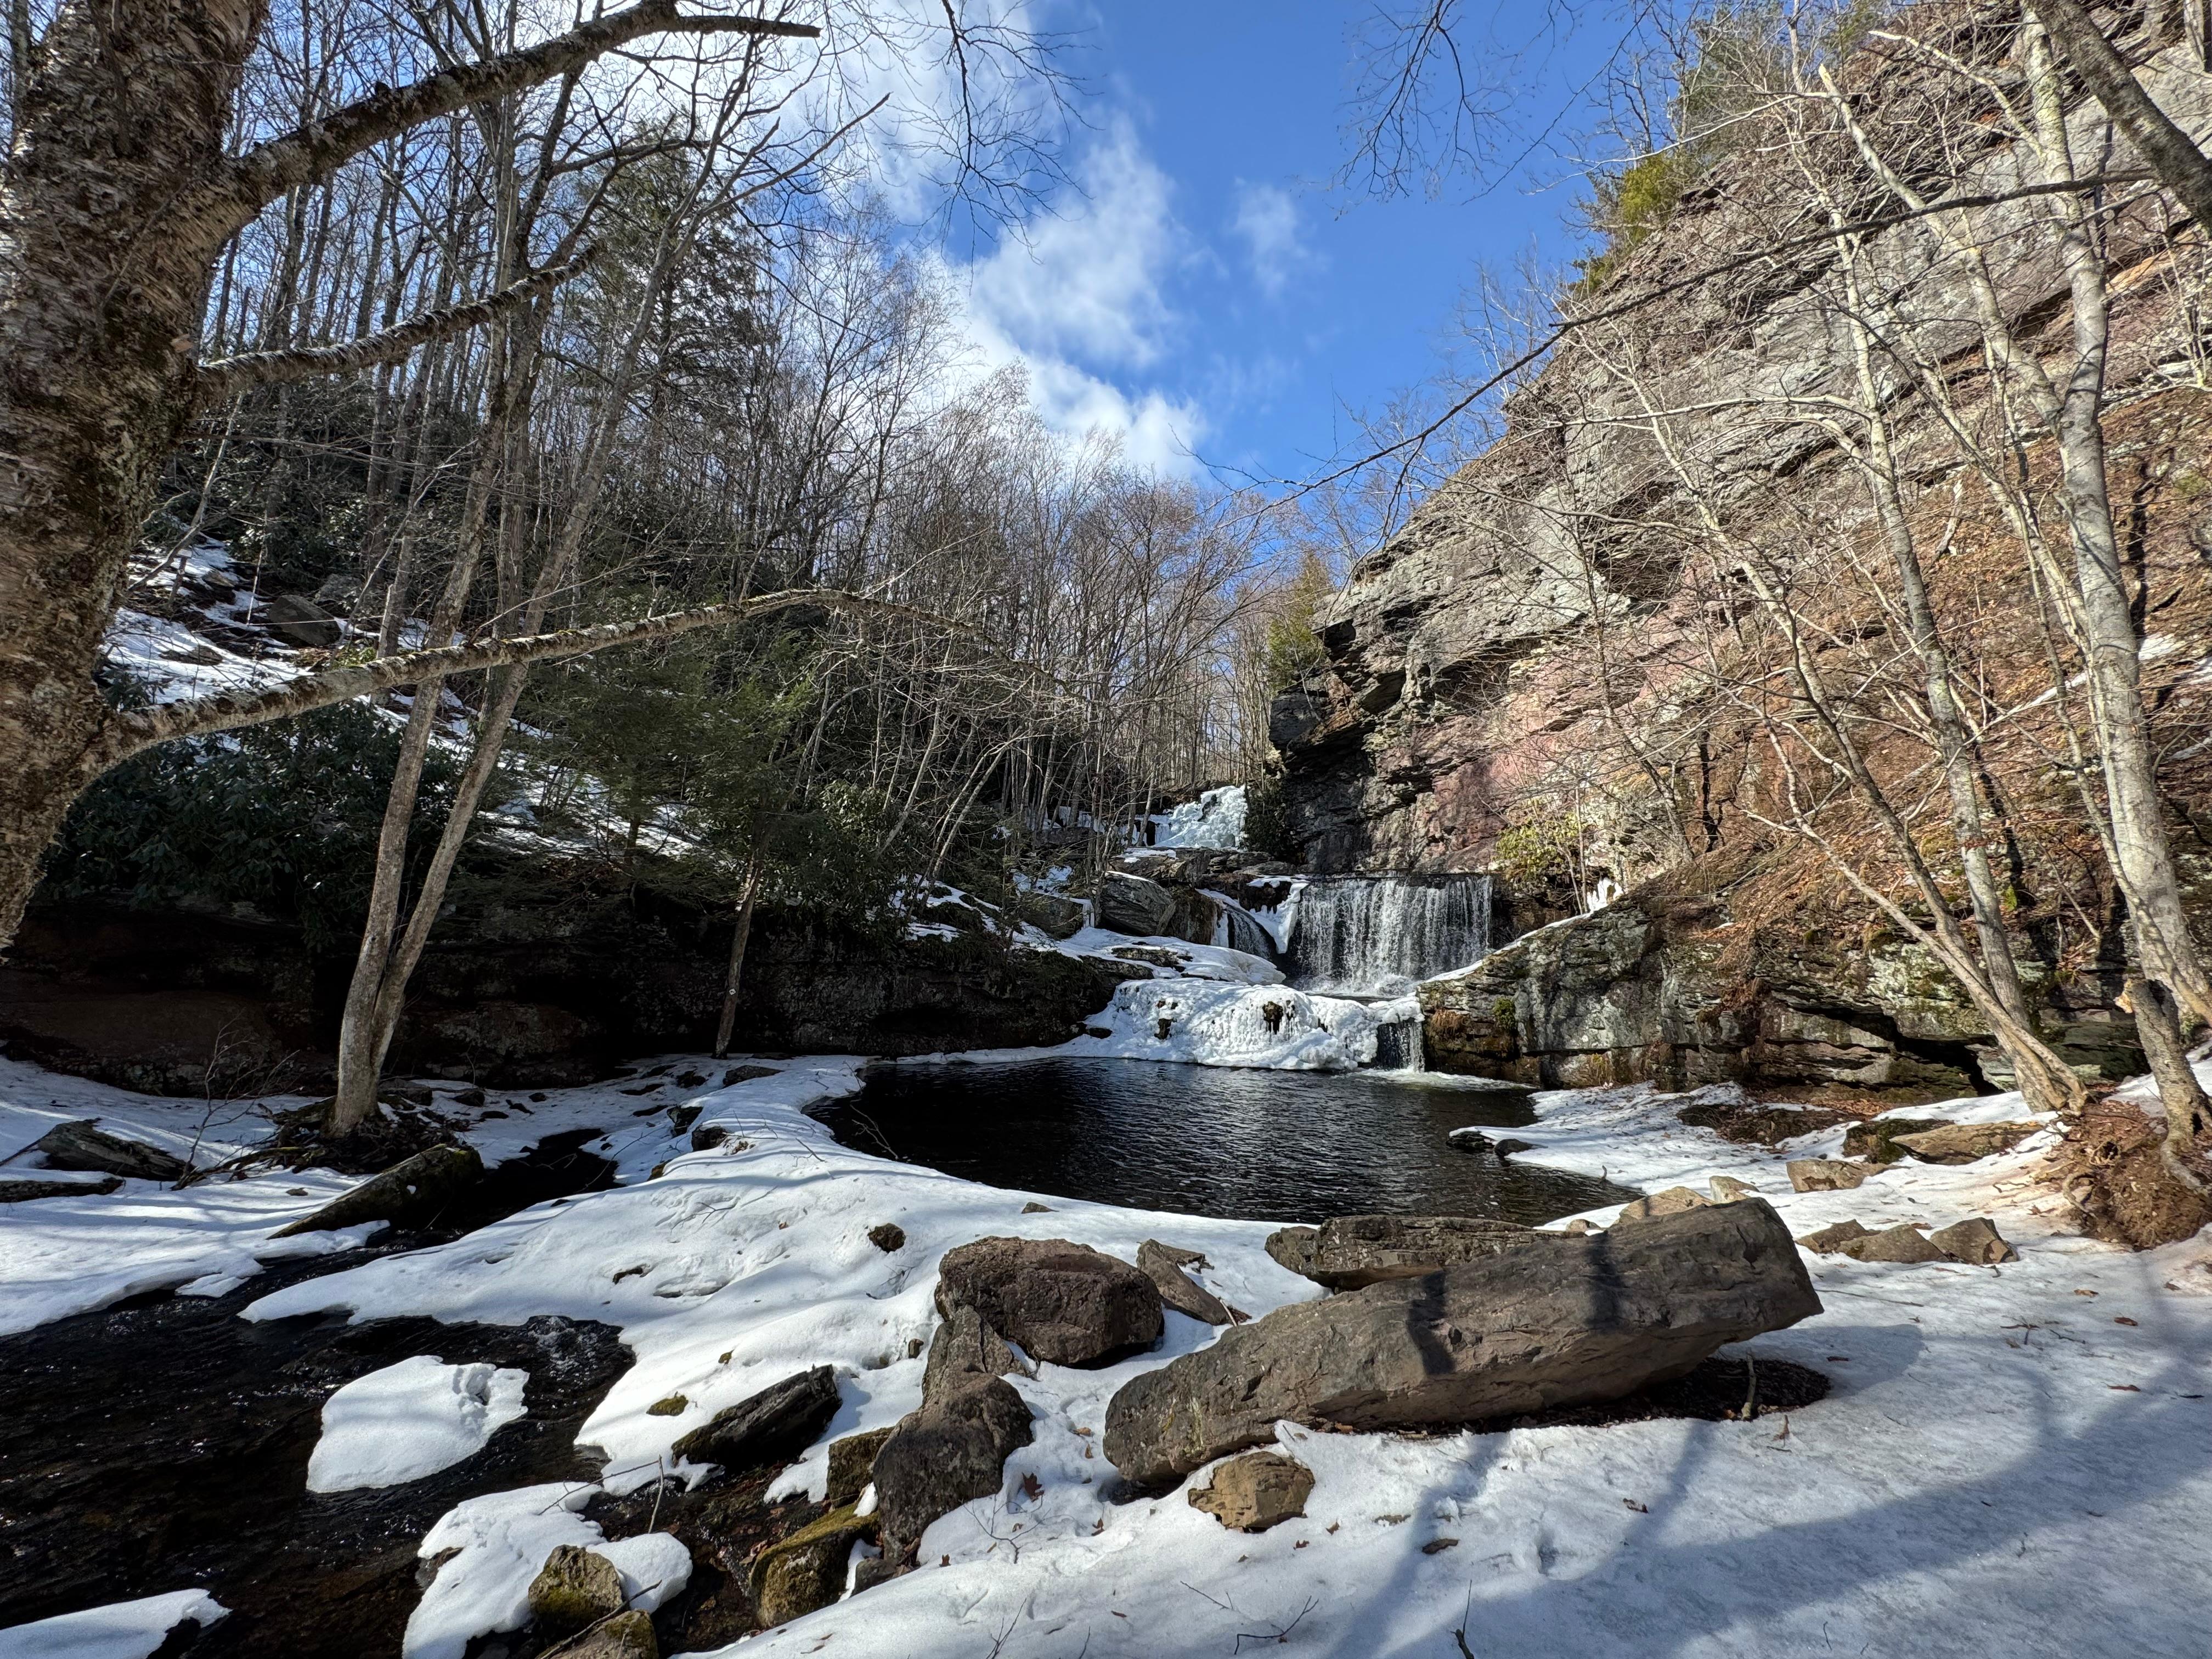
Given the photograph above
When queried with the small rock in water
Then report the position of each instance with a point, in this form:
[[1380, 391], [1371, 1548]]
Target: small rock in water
[[1064, 1302], [1825, 1174], [573, 1589], [1899, 1244], [1830, 1240], [1966, 1142], [1256, 1492], [78, 1144], [1176, 1288], [888, 1237], [1976, 1242], [774, 1425], [1672, 1201]]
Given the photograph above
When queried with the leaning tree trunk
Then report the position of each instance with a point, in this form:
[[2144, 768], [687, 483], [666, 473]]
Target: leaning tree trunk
[[123, 116], [730, 982]]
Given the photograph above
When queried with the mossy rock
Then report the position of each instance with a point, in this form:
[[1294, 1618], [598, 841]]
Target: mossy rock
[[851, 1460], [806, 1570], [574, 1588]]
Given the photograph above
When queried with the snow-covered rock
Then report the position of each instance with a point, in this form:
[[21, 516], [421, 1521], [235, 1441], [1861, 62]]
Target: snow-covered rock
[[411, 1420]]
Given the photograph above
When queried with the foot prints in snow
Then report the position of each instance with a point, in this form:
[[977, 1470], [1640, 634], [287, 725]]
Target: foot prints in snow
[[2015, 1459], [411, 1420]]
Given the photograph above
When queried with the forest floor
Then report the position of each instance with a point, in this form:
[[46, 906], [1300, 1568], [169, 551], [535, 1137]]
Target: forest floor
[[2013, 1458]]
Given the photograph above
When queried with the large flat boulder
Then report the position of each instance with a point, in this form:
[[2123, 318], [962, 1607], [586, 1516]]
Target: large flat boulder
[[773, 1425], [81, 1145], [1134, 904], [950, 1452], [1549, 1319], [1064, 1302], [1351, 1251]]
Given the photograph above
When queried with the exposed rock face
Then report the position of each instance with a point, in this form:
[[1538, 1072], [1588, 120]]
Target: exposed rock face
[[1065, 1303], [1256, 1492], [948, 1453], [1133, 904], [81, 1145], [414, 1190], [1555, 1320], [1668, 990], [773, 1425], [1350, 1251]]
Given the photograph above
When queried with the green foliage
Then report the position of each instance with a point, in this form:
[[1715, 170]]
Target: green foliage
[[281, 817], [1536, 851], [1290, 648]]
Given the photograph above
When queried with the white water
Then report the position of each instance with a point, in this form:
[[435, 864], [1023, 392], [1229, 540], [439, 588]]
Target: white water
[[1376, 935]]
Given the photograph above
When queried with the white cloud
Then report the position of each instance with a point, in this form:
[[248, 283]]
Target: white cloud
[[1267, 218]]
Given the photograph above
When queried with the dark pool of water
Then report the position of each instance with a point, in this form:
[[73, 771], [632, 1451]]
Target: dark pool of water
[[1211, 1140]]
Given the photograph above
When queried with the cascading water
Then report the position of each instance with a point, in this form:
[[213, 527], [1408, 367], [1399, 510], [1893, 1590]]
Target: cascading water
[[1374, 935]]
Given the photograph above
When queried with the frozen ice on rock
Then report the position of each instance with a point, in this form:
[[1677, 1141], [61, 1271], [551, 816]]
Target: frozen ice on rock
[[411, 1420], [1209, 1022]]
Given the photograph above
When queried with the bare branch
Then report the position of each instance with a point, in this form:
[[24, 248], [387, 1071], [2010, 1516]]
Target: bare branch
[[221, 379], [2182, 168]]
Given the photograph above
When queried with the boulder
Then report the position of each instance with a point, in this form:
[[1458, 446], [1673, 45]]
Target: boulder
[[573, 1589], [1351, 1251], [626, 1635], [796, 1575], [1293, 1248], [888, 1237], [1875, 1140], [22, 1192], [1727, 1190], [950, 1452], [1976, 1242], [1178, 1289], [1672, 1201], [1057, 916], [1964, 1143], [1064, 1302], [1133, 904], [850, 1460], [1899, 1244], [1251, 1493], [965, 1350], [77, 1144], [1825, 1174], [771, 1426], [1828, 1241], [414, 1190], [1549, 1320], [299, 621]]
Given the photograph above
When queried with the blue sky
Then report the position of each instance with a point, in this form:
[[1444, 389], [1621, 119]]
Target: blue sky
[[1206, 288]]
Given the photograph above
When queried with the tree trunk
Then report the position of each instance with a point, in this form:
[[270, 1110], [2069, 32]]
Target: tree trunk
[[738, 940], [2158, 1029]]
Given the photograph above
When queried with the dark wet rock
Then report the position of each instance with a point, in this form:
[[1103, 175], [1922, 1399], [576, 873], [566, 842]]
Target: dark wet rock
[[1057, 916], [771, 1426], [22, 1192], [1551, 1320], [738, 1074], [1831, 1240], [1825, 1174], [1133, 904], [1178, 1290], [681, 1118], [806, 1570], [965, 1350], [1349, 1251], [1672, 1201], [300, 621], [1509, 1146], [1876, 1139], [850, 1461], [950, 1452], [1256, 1492], [1064, 1302], [573, 1589], [888, 1237], [626, 1635], [1964, 1143], [1976, 1242], [413, 1190], [1898, 1243], [80, 1144]]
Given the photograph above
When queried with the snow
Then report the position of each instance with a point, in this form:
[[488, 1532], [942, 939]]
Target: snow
[[1212, 1024], [122, 1629], [1216, 818], [503, 1539], [411, 1420], [1196, 961]]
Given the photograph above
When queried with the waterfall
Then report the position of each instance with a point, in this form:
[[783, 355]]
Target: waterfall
[[1375, 934]]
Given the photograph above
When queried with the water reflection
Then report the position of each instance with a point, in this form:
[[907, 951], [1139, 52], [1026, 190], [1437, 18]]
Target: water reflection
[[1208, 1140]]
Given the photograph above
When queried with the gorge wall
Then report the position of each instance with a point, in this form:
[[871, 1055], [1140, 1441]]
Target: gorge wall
[[1554, 639]]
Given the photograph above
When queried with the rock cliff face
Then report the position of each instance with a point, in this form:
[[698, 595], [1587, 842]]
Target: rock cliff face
[[1547, 640]]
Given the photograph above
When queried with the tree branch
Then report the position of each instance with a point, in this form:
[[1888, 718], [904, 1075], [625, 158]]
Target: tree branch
[[2182, 167], [311, 153], [129, 732], [222, 378]]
